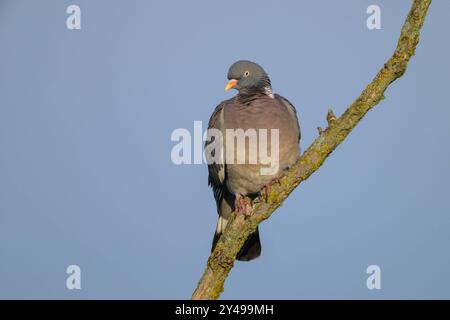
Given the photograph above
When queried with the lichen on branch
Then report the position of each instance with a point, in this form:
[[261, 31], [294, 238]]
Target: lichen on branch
[[239, 227]]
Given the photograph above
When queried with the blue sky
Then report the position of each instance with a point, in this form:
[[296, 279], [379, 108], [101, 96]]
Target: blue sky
[[86, 176]]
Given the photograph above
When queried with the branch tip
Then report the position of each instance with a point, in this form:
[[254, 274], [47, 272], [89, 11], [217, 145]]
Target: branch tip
[[331, 118]]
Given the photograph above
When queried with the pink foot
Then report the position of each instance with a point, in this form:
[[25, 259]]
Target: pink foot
[[265, 190], [242, 205]]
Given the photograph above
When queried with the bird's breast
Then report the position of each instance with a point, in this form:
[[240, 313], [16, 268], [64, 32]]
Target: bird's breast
[[260, 141]]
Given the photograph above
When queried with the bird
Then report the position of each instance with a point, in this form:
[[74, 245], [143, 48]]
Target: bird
[[256, 107]]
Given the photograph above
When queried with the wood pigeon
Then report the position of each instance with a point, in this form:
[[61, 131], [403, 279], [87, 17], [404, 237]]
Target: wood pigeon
[[255, 107]]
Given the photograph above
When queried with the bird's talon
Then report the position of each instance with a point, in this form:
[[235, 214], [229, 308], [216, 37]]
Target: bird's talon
[[243, 205], [264, 192]]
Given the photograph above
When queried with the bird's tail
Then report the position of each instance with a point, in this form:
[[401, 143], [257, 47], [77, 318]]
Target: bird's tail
[[251, 248], [220, 228]]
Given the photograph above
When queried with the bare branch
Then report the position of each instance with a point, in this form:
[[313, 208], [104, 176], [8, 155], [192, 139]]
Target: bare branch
[[239, 228]]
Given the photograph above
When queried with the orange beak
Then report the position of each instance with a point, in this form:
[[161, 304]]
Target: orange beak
[[232, 83]]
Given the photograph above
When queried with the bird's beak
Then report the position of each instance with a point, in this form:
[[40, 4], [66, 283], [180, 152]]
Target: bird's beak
[[231, 84]]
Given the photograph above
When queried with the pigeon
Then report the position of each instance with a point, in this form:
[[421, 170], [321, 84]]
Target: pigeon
[[257, 108]]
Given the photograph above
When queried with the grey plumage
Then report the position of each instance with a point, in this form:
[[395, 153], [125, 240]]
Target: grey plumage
[[254, 107]]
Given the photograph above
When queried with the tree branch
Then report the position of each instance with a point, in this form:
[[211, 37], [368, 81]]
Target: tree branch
[[239, 228]]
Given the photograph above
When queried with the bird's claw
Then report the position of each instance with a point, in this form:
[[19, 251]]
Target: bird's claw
[[243, 205], [265, 190]]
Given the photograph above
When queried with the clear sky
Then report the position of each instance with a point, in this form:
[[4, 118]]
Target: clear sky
[[86, 176]]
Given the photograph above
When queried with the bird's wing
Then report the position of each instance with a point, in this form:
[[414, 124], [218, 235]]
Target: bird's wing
[[292, 110], [216, 171]]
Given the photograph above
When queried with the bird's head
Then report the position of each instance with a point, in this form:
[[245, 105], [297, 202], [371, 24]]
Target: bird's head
[[247, 75]]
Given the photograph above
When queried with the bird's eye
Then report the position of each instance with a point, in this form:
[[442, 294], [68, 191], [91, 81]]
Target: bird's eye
[[246, 73]]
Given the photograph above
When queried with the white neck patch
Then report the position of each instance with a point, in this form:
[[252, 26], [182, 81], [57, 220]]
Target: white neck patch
[[268, 91]]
